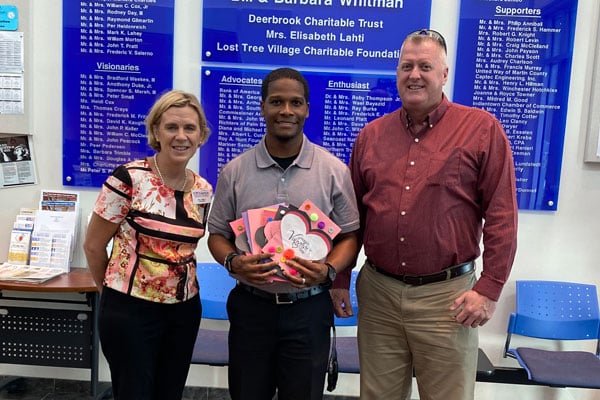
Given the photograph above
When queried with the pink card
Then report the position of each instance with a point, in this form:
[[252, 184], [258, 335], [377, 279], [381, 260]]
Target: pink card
[[319, 220], [305, 232], [237, 226], [255, 220], [239, 231]]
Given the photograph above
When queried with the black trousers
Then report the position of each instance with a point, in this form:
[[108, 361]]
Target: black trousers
[[148, 345], [278, 348]]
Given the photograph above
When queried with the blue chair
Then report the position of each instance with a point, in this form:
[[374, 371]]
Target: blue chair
[[215, 284], [350, 321], [211, 347], [556, 311]]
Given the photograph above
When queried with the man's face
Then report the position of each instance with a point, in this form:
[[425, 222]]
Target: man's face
[[421, 75], [285, 109]]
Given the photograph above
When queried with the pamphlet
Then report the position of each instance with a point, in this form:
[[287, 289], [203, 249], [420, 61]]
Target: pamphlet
[[46, 237], [51, 249], [28, 274], [18, 249]]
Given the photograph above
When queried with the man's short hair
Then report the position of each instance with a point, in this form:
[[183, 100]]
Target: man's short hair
[[281, 73]]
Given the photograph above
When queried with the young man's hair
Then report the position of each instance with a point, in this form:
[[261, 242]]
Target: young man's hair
[[282, 73]]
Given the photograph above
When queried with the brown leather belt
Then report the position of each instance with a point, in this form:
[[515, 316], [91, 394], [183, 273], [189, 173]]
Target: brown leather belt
[[285, 298], [417, 280]]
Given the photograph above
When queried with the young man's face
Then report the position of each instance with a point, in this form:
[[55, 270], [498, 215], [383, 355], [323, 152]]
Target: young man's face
[[285, 109]]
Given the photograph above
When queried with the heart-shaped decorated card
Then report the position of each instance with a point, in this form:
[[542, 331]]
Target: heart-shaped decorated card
[[307, 243], [285, 231], [305, 232]]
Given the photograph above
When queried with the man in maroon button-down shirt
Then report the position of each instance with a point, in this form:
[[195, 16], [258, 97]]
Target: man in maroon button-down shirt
[[432, 179]]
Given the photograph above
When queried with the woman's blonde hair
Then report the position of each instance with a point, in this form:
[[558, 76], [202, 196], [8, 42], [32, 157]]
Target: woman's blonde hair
[[174, 98]]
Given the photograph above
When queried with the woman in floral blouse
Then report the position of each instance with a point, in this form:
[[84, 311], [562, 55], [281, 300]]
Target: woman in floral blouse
[[154, 211]]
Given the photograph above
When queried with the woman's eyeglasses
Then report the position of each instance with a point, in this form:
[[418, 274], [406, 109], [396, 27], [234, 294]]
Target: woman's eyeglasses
[[432, 34]]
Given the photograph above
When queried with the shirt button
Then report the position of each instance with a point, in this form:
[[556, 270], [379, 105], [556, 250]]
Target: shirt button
[[407, 187], [403, 264], [411, 163], [416, 140], [403, 213], [402, 239]]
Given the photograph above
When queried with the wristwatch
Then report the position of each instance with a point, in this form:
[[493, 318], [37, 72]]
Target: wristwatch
[[331, 274], [228, 259]]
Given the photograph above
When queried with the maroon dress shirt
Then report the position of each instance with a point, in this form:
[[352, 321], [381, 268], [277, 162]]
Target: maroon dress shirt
[[426, 199]]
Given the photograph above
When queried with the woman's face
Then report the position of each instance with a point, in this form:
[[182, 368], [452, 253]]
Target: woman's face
[[178, 133]]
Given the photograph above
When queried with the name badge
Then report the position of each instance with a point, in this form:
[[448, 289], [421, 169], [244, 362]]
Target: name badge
[[201, 196]]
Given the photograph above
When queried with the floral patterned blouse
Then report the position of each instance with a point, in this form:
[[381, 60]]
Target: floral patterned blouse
[[153, 251]]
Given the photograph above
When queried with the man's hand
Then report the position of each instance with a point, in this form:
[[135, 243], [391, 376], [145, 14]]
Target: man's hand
[[473, 309], [254, 268], [342, 307], [308, 273]]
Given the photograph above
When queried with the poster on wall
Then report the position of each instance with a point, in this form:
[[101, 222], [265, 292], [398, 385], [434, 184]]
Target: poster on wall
[[343, 103], [17, 165], [12, 71], [111, 78], [355, 34], [347, 50], [9, 17], [516, 63]]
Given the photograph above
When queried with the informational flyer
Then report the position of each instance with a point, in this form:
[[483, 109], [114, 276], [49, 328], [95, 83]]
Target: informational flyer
[[516, 63], [9, 17], [12, 67], [17, 166]]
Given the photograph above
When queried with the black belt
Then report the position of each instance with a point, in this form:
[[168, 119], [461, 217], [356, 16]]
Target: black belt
[[417, 280], [284, 298]]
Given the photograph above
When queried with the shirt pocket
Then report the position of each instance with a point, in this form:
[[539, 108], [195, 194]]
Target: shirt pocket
[[444, 168]]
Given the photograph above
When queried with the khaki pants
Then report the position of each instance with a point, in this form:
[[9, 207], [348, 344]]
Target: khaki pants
[[401, 327]]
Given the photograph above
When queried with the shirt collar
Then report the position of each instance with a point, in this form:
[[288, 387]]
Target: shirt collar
[[433, 117], [304, 159]]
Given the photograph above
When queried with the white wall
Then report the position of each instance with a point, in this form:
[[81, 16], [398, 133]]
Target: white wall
[[561, 245]]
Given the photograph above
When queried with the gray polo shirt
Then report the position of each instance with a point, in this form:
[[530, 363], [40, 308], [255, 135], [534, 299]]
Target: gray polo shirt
[[253, 180]]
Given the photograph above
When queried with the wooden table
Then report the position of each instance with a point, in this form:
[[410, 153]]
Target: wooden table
[[62, 337]]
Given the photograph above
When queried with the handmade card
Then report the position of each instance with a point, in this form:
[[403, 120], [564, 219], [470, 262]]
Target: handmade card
[[305, 232], [254, 221], [241, 238], [286, 231]]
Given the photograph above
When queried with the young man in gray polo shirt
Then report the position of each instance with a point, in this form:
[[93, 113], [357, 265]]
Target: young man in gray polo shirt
[[279, 331]]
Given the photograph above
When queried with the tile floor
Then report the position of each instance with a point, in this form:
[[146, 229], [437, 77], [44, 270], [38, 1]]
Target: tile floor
[[58, 389]]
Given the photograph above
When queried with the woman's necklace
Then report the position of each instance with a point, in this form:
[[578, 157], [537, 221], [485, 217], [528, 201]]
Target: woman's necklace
[[163, 180]]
